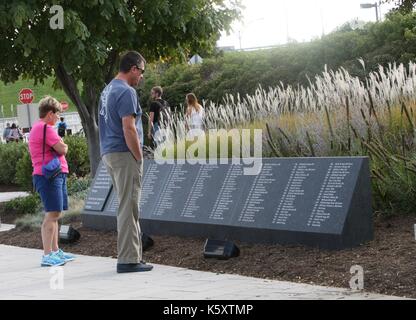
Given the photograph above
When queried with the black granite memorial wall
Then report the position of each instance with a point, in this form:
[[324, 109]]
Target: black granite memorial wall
[[323, 202]]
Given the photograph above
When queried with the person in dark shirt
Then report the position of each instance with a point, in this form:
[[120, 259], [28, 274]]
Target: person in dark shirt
[[62, 128], [159, 109]]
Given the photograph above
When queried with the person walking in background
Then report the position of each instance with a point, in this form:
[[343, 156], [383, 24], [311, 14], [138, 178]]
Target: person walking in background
[[121, 142], [62, 128], [45, 145], [159, 111], [194, 116], [6, 133], [14, 134], [20, 132]]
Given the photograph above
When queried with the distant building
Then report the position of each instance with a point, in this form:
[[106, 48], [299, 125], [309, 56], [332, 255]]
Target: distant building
[[226, 48], [195, 59]]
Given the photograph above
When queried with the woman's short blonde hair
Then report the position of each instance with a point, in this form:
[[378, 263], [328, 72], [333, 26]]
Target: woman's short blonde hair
[[47, 104]]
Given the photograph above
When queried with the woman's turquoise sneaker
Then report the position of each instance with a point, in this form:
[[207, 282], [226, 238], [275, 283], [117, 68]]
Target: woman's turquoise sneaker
[[52, 260], [64, 255]]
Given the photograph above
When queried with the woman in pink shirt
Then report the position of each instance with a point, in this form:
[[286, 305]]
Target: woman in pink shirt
[[53, 192]]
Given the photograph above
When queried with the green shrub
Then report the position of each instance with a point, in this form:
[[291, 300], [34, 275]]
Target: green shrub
[[392, 40], [10, 154], [78, 186], [16, 165], [24, 205], [30, 222], [24, 171], [77, 156]]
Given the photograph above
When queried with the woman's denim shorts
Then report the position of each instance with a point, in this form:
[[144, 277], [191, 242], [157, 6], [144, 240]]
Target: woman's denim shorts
[[53, 193]]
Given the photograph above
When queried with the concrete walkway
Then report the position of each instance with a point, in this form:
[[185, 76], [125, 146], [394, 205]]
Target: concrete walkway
[[21, 277], [7, 196], [6, 227]]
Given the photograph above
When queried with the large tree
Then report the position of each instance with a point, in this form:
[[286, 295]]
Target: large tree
[[404, 6], [83, 56]]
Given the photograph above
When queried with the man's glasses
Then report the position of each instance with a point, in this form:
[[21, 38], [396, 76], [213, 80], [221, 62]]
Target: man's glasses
[[141, 70]]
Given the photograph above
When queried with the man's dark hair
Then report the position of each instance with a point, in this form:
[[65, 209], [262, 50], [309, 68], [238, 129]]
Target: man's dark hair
[[62, 118], [158, 90], [130, 59]]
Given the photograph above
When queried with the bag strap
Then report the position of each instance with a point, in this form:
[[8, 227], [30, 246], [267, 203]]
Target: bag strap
[[44, 143]]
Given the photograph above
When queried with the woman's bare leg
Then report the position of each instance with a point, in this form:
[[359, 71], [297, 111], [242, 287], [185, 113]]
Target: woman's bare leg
[[55, 245], [48, 231]]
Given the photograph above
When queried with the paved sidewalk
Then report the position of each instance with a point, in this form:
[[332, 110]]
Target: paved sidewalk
[[6, 227], [7, 196], [21, 277]]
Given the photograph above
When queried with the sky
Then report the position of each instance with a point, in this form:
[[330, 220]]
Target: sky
[[270, 22]]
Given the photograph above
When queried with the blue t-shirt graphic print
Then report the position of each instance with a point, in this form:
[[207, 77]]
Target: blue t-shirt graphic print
[[117, 100]]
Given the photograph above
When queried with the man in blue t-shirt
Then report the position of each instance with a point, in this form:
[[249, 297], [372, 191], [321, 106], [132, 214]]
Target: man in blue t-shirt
[[121, 141]]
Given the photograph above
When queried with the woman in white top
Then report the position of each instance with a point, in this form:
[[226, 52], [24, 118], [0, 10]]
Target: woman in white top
[[194, 116]]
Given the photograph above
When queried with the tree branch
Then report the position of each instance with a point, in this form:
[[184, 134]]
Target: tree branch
[[111, 63], [92, 104], [69, 86]]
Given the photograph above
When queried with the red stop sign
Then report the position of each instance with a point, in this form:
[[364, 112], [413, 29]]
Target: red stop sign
[[64, 105], [26, 96]]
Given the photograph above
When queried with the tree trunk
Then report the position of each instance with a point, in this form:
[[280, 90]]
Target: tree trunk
[[88, 109], [91, 129], [88, 114], [93, 139]]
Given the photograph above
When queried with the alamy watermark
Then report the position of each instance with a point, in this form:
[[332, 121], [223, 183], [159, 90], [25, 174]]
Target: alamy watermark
[[56, 282], [202, 148], [57, 20], [357, 280]]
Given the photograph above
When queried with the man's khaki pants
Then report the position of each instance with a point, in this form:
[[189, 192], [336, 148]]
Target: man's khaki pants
[[126, 174]]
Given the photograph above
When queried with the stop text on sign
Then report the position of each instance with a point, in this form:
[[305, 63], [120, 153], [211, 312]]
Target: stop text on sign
[[26, 96]]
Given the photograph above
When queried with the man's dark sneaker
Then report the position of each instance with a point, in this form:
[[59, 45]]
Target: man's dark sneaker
[[133, 267]]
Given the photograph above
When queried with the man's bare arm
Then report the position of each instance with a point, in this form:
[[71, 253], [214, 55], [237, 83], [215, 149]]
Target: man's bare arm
[[132, 139], [151, 118]]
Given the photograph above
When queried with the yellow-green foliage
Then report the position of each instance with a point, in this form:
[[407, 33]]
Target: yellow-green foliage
[[337, 115], [220, 139]]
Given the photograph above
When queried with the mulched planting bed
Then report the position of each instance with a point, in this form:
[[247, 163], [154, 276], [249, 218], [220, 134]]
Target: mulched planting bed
[[9, 188], [389, 261]]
